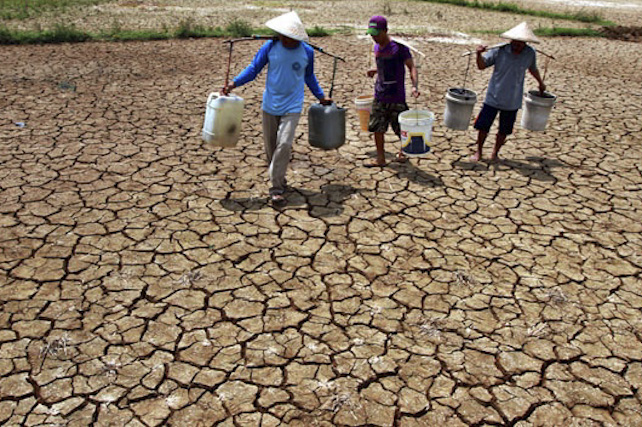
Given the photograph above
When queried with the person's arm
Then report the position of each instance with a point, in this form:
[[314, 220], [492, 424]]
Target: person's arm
[[311, 80], [251, 71], [481, 63], [414, 76], [535, 73]]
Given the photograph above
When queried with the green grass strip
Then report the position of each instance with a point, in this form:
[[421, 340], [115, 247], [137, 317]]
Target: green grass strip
[[559, 32], [568, 32], [59, 34], [186, 29], [589, 18]]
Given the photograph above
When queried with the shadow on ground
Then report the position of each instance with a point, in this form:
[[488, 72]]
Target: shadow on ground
[[539, 168], [408, 171], [325, 203]]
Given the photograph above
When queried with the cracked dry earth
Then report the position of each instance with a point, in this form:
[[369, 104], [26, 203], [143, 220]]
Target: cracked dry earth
[[145, 280]]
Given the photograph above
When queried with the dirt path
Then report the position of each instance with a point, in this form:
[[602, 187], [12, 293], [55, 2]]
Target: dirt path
[[145, 280]]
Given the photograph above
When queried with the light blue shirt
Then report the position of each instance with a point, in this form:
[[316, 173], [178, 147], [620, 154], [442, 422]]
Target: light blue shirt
[[288, 71], [506, 86]]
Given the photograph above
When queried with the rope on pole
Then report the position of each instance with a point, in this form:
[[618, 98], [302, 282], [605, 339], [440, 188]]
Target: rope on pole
[[257, 37]]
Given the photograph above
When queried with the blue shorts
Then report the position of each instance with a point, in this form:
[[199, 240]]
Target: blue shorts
[[487, 116]]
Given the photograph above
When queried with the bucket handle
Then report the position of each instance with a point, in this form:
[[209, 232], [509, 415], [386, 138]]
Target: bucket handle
[[463, 86], [416, 109], [334, 72]]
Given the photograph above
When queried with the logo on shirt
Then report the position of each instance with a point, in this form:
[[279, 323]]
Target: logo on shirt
[[296, 66]]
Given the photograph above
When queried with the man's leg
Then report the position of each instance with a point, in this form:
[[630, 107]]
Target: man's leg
[[379, 142], [270, 129], [396, 128], [483, 123], [499, 142], [281, 157], [481, 138], [506, 123], [378, 125]]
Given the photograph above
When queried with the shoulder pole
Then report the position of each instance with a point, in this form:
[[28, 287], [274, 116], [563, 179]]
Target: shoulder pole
[[258, 37]]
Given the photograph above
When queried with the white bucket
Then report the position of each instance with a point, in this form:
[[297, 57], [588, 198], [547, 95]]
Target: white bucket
[[537, 110], [223, 115], [459, 108], [364, 108], [416, 131]]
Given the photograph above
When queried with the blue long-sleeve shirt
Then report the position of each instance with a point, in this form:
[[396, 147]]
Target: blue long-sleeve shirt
[[288, 71]]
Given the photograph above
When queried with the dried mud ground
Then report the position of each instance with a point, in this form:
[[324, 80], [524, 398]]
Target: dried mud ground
[[145, 280]]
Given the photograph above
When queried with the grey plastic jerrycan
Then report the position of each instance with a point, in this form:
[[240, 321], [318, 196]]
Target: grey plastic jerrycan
[[327, 126]]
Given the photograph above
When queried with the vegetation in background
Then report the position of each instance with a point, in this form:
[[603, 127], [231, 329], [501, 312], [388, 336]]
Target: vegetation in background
[[59, 34], [186, 29], [589, 18], [317, 31], [23, 9], [561, 32], [568, 32], [239, 28]]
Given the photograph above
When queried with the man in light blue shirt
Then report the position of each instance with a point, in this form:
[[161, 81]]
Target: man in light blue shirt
[[290, 64], [506, 86]]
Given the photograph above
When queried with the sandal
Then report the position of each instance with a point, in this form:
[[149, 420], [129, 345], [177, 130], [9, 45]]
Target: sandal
[[277, 199], [401, 158]]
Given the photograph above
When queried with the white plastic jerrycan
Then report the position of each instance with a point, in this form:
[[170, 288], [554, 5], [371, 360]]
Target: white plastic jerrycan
[[223, 115]]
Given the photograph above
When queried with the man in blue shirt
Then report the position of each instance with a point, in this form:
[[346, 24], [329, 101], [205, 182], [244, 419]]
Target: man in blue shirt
[[506, 86], [290, 64]]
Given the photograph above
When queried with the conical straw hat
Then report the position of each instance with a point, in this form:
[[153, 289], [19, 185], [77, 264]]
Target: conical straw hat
[[521, 32], [289, 25]]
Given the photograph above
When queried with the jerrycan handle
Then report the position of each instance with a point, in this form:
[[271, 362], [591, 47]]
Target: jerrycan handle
[[213, 97]]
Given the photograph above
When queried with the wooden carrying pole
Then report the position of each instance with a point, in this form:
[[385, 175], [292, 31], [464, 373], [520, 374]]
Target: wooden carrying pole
[[257, 37], [470, 52]]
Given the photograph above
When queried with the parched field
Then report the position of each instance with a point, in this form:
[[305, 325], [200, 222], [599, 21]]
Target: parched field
[[145, 280]]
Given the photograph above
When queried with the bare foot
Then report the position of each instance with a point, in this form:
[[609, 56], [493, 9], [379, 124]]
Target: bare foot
[[475, 157]]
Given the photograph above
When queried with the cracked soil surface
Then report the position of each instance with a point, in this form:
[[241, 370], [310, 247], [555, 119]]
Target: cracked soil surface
[[145, 280]]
